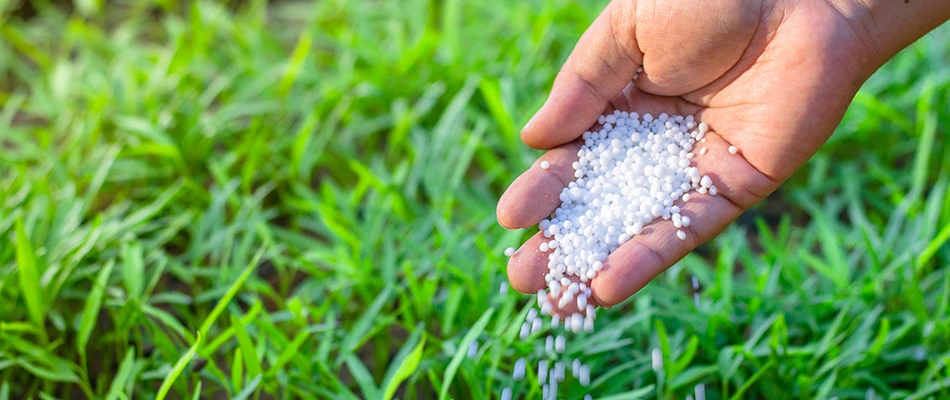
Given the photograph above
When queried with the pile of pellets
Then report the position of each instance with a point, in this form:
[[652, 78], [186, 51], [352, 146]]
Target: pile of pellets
[[631, 172]]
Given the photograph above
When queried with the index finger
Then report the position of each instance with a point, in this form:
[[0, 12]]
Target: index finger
[[600, 66]]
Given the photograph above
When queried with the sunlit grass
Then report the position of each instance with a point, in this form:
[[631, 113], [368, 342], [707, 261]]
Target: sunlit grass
[[298, 200]]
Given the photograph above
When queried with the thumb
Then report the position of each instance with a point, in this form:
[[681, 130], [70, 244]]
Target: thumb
[[602, 63]]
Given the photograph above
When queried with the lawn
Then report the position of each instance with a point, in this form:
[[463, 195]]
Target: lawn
[[296, 200]]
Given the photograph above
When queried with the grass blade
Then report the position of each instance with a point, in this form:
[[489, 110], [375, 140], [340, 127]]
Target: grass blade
[[405, 363], [288, 353], [251, 362], [56, 373], [29, 276], [633, 394], [934, 245], [363, 377], [296, 62], [133, 269], [177, 369], [755, 377], [122, 376], [197, 393], [232, 291], [930, 389], [362, 326], [927, 130], [90, 312], [249, 389], [476, 330]]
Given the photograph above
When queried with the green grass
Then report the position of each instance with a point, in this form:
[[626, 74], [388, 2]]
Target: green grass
[[296, 200]]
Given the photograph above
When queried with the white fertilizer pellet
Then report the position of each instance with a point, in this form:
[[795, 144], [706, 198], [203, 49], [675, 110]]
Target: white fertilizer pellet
[[503, 290], [559, 344], [630, 173], [532, 314], [700, 391], [506, 394], [657, 360], [509, 252], [519, 371], [733, 149], [546, 308], [472, 349], [542, 371]]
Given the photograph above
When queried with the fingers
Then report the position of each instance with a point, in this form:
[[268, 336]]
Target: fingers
[[645, 256], [637, 261], [642, 258], [680, 56], [737, 180], [600, 66], [534, 195], [648, 254], [526, 270]]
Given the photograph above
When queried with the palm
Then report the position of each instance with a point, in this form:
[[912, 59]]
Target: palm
[[773, 82]]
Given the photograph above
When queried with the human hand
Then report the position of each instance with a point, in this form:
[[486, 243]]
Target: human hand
[[772, 78]]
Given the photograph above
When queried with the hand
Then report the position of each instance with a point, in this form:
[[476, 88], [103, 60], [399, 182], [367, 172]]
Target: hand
[[772, 78]]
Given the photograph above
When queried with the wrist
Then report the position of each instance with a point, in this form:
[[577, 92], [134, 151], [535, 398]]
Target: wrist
[[885, 27]]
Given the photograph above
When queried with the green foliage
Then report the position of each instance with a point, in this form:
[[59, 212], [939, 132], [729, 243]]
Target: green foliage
[[296, 199]]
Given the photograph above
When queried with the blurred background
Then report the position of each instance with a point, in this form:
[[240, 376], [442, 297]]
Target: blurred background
[[295, 199]]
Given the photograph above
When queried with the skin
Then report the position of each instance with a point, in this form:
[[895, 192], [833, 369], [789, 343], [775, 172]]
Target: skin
[[772, 78]]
